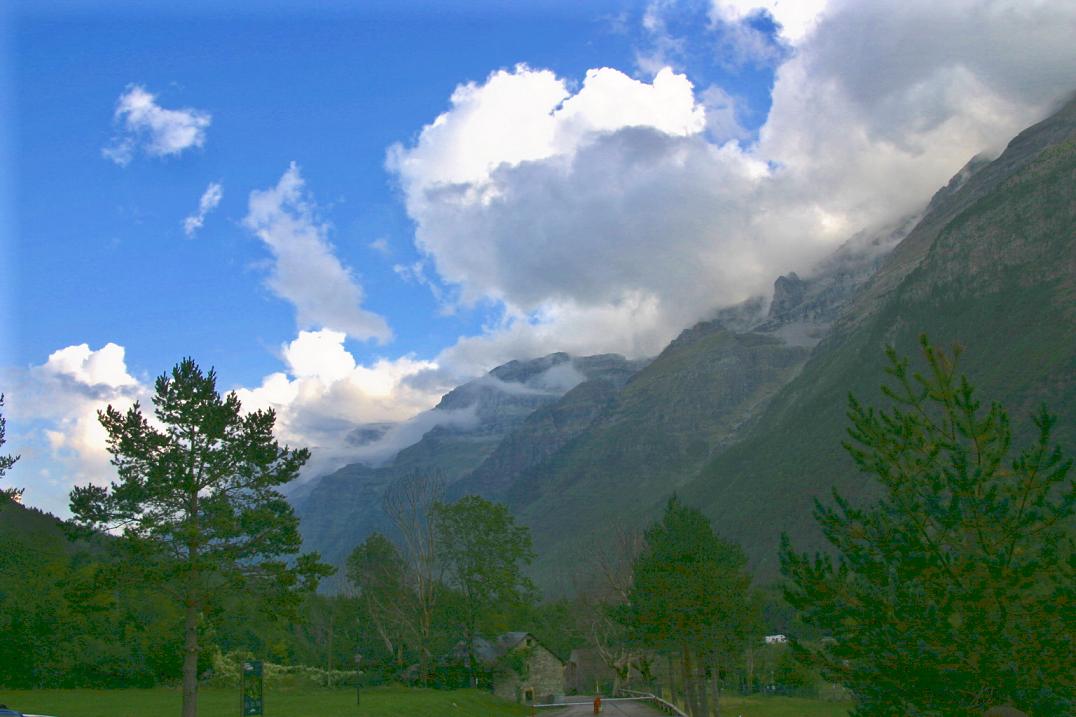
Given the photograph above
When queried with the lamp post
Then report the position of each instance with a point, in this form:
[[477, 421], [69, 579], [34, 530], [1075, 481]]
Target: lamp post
[[358, 683]]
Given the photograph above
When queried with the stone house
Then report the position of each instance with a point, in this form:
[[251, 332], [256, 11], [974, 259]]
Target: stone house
[[519, 667]]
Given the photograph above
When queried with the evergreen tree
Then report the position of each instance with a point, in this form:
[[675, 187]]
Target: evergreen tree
[[6, 461], [197, 503], [690, 597], [482, 551], [954, 592]]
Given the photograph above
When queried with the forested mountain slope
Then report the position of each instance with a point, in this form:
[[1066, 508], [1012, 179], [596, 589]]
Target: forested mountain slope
[[698, 394], [992, 266], [470, 421]]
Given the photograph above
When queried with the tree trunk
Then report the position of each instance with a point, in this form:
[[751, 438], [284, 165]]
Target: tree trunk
[[190, 661], [715, 691], [672, 680], [704, 702], [690, 697], [332, 615], [472, 681], [423, 666]]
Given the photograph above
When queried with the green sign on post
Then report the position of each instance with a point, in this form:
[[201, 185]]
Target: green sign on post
[[252, 688]]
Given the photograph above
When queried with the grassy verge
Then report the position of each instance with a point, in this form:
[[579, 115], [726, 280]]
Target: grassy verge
[[756, 706], [299, 702]]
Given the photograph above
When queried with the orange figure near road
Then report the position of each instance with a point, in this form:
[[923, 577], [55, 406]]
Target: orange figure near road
[[597, 704]]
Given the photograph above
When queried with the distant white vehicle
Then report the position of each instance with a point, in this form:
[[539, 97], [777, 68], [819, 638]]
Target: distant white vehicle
[[5, 710], [774, 639]]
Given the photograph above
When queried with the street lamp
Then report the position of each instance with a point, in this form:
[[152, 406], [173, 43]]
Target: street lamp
[[358, 683]]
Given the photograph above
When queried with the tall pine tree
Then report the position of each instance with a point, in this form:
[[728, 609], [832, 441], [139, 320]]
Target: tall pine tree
[[197, 503], [954, 592], [6, 461]]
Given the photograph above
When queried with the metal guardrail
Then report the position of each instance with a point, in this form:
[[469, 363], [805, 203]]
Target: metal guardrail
[[588, 701], [634, 696], [662, 704]]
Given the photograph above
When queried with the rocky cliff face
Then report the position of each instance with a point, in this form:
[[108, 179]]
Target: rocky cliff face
[[802, 309]]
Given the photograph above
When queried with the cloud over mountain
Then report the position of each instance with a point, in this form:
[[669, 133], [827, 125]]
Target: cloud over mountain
[[323, 393], [604, 217]]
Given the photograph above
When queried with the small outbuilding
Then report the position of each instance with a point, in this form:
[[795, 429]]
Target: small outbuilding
[[519, 667]]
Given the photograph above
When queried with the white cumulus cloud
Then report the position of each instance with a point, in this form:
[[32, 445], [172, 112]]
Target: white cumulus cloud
[[610, 216], [53, 410], [210, 199], [157, 131], [795, 18], [323, 393], [306, 271]]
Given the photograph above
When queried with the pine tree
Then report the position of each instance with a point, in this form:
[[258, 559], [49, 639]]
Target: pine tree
[[954, 592], [197, 503], [6, 461]]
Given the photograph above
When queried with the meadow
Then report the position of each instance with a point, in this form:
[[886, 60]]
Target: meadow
[[298, 702], [320, 702]]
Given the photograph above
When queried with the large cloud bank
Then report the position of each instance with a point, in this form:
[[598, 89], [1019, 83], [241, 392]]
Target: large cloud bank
[[323, 393], [606, 218]]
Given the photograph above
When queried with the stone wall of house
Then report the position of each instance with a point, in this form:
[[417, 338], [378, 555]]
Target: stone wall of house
[[545, 677]]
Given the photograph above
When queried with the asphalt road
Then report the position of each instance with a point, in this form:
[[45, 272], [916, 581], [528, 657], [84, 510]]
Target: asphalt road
[[610, 708]]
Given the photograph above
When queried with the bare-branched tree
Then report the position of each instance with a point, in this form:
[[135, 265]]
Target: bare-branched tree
[[408, 503]]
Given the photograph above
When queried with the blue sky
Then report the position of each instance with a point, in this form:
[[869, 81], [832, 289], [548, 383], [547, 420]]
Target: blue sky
[[331, 93], [603, 174], [100, 248]]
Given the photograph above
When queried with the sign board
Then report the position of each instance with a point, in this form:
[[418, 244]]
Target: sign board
[[252, 689]]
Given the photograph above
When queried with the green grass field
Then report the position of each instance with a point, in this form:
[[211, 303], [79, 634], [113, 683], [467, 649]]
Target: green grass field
[[782, 707], [308, 702], [376, 702]]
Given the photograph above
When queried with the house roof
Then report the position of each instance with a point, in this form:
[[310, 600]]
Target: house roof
[[489, 651]]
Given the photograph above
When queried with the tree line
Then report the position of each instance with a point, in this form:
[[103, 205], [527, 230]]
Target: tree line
[[457, 573], [951, 593]]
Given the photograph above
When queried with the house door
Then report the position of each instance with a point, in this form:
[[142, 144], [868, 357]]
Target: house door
[[528, 694]]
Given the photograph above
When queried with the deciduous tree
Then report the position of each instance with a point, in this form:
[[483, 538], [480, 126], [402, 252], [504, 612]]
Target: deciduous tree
[[483, 552], [690, 596], [409, 503], [380, 574]]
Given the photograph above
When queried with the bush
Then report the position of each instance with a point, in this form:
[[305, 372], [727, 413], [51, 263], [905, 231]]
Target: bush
[[227, 669]]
